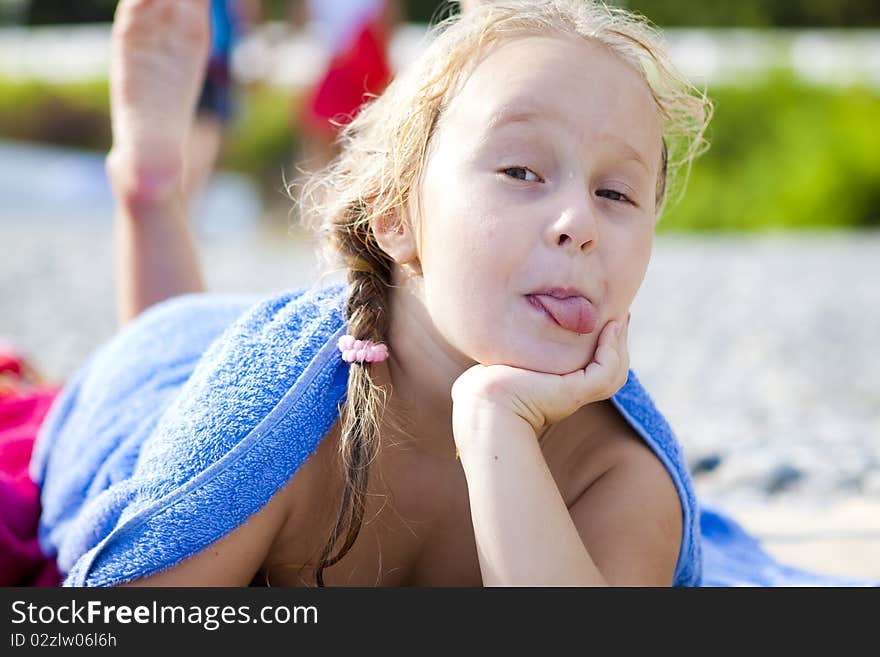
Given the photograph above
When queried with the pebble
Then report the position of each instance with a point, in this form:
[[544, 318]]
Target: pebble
[[705, 464], [782, 478]]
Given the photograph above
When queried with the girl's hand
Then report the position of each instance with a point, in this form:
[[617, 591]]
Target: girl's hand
[[537, 397]]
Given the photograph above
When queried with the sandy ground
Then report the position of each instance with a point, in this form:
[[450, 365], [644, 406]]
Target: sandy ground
[[843, 539]]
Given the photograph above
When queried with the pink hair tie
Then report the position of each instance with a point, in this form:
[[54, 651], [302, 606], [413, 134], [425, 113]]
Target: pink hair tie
[[361, 350]]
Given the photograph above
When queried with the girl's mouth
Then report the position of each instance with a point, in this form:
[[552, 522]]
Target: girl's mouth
[[574, 313]]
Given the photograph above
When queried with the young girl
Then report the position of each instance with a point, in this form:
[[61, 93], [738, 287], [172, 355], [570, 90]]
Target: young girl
[[461, 412]]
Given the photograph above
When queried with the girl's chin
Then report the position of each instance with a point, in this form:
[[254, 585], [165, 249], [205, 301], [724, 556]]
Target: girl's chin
[[536, 361]]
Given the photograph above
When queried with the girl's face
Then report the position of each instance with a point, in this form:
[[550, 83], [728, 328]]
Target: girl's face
[[538, 204]]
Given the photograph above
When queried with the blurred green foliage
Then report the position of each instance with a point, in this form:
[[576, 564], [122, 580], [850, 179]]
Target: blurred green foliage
[[74, 114], [732, 13], [263, 139], [784, 154], [39, 12], [260, 142], [759, 13]]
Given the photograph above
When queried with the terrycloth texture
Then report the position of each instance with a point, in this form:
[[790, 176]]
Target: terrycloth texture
[[153, 453], [731, 557], [22, 409], [88, 447], [192, 419]]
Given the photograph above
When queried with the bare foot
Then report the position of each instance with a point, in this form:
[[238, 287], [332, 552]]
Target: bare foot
[[159, 51]]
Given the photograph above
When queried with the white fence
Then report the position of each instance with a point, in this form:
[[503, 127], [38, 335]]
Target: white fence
[[278, 56]]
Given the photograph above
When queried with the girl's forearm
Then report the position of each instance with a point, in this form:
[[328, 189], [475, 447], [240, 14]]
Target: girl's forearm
[[156, 255], [524, 533]]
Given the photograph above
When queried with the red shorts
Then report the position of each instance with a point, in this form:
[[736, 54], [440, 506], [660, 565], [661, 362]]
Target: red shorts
[[354, 73]]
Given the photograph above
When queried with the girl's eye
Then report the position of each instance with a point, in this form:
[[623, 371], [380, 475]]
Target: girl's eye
[[522, 173], [612, 195]]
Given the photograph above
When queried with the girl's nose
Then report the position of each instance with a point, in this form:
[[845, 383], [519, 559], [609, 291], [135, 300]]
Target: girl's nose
[[576, 228]]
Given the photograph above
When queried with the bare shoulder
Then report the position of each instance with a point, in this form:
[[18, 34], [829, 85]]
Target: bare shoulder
[[278, 531], [630, 514], [235, 558]]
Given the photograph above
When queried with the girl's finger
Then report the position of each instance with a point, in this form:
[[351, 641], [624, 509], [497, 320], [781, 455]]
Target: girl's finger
[[624, 352], [600, 373]]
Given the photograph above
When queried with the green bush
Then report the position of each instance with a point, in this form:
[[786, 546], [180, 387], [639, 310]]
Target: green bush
[[263, 139], [700, 13], [69, 115], [759, 13], [785, 155], [743, 13], [260, 142]]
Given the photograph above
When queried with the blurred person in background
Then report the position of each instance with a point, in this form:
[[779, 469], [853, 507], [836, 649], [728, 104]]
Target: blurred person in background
[[230, 19], [356, 35]]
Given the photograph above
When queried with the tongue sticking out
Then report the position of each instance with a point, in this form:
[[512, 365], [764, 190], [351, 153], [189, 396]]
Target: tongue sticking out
[[573, 313]]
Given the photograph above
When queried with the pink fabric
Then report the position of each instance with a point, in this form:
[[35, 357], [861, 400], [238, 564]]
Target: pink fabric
[[22, 409]]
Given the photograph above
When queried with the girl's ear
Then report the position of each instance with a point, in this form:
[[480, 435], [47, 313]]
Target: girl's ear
[[395, 237]]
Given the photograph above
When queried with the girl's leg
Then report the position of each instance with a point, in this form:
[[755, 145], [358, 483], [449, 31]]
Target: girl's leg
[[159, 51]]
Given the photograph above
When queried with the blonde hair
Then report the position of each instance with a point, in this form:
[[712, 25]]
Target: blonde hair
[[384, 149]]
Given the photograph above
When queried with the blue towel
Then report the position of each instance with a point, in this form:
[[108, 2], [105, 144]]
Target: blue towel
[[190, 420], [731, 557]]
